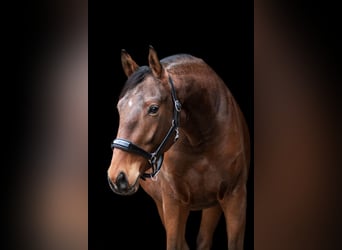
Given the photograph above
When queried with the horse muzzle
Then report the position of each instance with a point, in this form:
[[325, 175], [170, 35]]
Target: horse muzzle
[[121, 186]]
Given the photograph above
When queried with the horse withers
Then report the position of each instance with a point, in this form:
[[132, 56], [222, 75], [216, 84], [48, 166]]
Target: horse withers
[[183, 138]]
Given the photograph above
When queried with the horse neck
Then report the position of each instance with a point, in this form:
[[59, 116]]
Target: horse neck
[[205, 108]]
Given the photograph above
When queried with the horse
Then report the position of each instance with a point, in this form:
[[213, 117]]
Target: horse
[[183, 138]]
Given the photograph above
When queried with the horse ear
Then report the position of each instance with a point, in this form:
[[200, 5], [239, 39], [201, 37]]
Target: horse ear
[[128, 64], [154, 63]]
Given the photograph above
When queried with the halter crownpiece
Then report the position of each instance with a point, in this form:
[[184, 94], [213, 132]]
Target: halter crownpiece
[[155, 159]]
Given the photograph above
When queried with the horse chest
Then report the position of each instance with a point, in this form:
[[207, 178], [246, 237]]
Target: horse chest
[[195, 184]]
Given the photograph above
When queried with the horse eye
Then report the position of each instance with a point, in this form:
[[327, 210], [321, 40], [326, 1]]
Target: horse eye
[[153, 109]]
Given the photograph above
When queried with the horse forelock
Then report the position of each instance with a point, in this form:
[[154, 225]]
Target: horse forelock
[[136, 78]]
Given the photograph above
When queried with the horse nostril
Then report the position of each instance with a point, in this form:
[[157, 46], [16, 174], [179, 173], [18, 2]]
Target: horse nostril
[[122, 182]]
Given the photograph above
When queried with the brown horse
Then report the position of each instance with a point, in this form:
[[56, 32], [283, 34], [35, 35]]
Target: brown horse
[[181, 97]]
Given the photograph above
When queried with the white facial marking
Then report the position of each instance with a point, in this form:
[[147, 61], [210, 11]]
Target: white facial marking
[[130, 103]]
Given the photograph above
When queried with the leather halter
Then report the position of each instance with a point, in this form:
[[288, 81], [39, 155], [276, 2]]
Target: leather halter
[[155, 159]]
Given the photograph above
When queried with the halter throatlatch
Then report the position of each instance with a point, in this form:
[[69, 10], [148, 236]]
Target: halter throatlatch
[[155, 159]]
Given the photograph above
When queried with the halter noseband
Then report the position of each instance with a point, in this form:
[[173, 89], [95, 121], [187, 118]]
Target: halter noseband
[[155, 159]]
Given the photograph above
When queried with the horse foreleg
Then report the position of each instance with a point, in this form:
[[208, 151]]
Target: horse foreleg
[[209, 221], [234, 208], [175, 218], [160, 211]]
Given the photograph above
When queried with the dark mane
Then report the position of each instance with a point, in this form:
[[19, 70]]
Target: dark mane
[[136, 78], [139, 75]]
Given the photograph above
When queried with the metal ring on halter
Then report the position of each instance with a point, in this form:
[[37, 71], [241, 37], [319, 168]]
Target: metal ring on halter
[[153, 159]]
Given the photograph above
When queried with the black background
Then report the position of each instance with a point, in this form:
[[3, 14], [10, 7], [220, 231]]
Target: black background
[[223, 37]]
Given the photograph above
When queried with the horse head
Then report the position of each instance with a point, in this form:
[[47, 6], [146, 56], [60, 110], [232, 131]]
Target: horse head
[[147, 121]]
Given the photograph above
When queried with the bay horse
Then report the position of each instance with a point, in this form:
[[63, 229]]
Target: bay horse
[[183, 138]]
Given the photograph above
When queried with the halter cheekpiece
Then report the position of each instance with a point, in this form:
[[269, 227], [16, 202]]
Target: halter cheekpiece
[[155, 159]]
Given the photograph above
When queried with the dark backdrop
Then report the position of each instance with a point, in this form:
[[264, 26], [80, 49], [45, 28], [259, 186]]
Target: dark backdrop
[[223, 37]]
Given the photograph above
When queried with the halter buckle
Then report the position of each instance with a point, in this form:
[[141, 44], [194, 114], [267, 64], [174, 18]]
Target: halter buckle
[[178, 106]]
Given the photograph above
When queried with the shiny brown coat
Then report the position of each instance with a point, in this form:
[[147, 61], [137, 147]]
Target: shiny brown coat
[[207, 168]]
